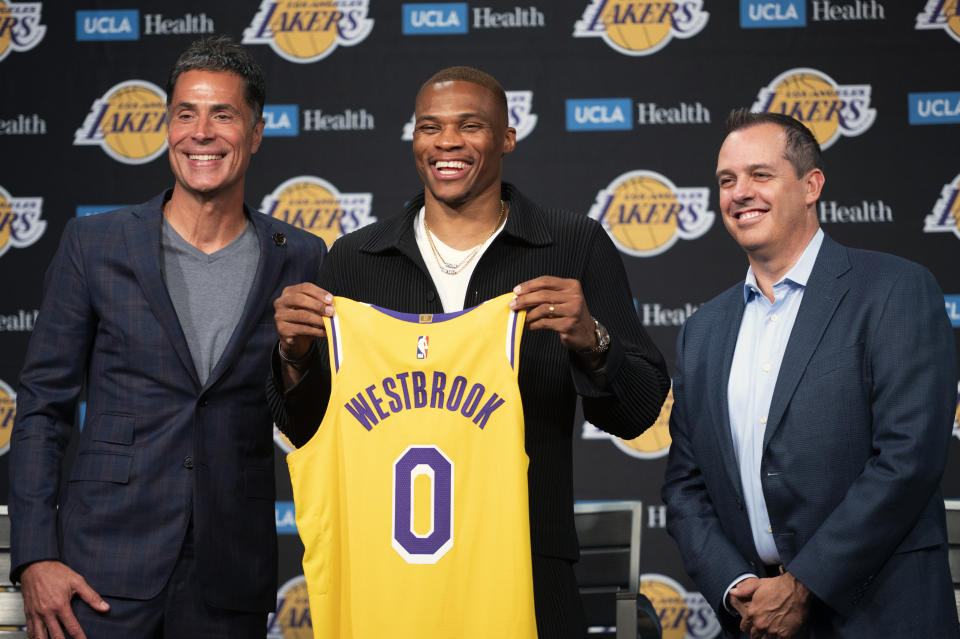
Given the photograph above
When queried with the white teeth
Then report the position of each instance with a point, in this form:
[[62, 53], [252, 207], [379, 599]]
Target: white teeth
[[749, 215], [200, 158], [450, 164]]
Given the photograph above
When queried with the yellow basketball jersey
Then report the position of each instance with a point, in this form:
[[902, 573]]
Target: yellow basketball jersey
[[411, 498]]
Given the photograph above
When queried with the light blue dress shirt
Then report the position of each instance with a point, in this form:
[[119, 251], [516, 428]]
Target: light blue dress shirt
[[761, 343]]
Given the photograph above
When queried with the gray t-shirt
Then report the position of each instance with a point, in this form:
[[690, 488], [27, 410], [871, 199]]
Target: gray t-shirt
[[208, 291]]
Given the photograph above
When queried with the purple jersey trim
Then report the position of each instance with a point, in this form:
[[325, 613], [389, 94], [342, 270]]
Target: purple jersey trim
[[513, 337], [414, 318], [336, 351]]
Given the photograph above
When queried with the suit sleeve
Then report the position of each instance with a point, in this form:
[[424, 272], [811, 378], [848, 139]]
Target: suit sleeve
[[50, 383], [636, 375], [709, 556], [912, 373]]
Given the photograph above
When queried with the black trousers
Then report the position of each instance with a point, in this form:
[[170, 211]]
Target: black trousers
[[557, 601]]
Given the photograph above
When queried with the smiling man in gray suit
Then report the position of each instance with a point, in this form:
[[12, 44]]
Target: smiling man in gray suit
[[166, 525], [813, 409]]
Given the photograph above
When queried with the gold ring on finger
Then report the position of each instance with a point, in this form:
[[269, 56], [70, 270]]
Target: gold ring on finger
[[552, 309]]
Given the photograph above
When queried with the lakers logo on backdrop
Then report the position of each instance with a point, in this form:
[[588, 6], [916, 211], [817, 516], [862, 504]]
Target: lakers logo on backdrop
[[645, 213], [305, 31], [941, 14], [20, 28], [315, 205], [292, 618], [652, 444], [8, 410], [683, 615], [20, 221], [945, 217], [519, 112], [640, 27], [829, 110], [128, 122]]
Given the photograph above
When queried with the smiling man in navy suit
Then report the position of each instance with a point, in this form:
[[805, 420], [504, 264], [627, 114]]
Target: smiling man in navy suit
[[813, 410], [163, 310]]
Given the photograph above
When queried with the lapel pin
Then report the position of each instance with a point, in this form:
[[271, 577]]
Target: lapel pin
[[279, 239]]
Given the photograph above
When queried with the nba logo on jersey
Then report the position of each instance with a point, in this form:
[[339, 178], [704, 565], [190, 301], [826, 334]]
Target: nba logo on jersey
[[423, 343]]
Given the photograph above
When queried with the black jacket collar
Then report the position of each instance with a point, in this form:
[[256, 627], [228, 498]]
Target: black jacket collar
[[525, 223]]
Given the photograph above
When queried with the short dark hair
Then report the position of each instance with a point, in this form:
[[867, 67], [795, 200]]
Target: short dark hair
[[802, 149], [221, 53], [469, 74]]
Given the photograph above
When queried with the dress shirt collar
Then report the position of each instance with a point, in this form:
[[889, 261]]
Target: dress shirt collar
[[797, 275]]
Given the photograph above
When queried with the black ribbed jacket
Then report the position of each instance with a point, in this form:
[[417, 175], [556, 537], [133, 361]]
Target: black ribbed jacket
[[381, 264]]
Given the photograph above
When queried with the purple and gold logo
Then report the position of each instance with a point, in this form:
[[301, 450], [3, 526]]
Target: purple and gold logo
[[945, 217], [640, 27], [128, 123], [20, 28], [829, 110], [941, 14], [292, 619], [8, 410], [645, 213], [20, 221], [683, 615], [305, 31], [315, 205]]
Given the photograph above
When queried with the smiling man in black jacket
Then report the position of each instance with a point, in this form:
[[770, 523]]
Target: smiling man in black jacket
[[465, 239]]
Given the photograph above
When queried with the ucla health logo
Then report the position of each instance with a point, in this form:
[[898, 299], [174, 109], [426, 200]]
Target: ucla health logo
[[934, 108], [645, 213], [20, 221], [640, 27], [519, 111], [683, 615], [286, 517], [305, 31], [121, 24], [952, 304], [436, 18], [766, 14], [86, 210], [315, 205], [652, 444], [8, 410], [945, 217], [829, 110], [20, 28], [292, 618], [602, 114], [128, 122], [941, 14], [281, 120]]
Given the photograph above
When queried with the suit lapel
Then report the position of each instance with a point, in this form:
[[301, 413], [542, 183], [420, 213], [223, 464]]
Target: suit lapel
[[142, 233], [273, 256], [821, 297], [733, 309]]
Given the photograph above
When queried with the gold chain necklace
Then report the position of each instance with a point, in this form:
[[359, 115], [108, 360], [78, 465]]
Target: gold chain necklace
[[450, 268]]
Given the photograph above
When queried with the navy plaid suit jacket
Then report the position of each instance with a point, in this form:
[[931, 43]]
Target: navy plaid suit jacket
[[854, 448], [157, 447]]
